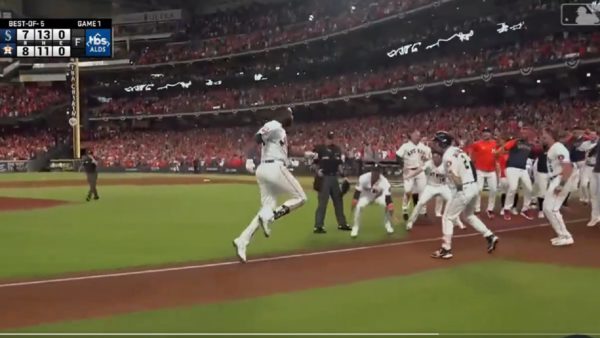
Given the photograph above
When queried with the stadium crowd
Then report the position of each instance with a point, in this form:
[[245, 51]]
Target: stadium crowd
[[24, 146], [229, 32], [22, 101], [551, 49], [375, 137]]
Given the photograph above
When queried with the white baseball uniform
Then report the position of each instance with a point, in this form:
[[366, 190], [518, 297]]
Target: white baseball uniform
[[372, 193], [273, 177], [457, 162], [595, 191], [540, 181], [436, 187], [558, 154], [586, 169], [414, 157]]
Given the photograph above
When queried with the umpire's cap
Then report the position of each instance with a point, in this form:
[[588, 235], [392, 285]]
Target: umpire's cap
[[443, 139]]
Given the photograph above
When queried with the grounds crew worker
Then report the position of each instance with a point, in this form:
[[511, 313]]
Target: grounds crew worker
[[90, 165], [328, 162]]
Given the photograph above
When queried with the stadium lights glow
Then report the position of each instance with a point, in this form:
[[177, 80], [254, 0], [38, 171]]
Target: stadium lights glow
[[404, 97], [462, 91], [588, 75], [538, 81], [311, 17]]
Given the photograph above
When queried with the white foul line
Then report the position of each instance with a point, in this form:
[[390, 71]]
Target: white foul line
[[266, 259]]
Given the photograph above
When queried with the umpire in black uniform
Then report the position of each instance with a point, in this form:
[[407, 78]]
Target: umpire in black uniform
[[328, 162], [90, 167]]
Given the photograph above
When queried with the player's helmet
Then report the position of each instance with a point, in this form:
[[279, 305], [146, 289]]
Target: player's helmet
[[443, 139]]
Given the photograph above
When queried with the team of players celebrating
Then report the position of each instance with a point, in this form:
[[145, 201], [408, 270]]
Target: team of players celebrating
[[558, 165]]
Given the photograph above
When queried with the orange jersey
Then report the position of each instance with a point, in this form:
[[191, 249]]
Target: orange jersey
[[483, 155], [502, 161]]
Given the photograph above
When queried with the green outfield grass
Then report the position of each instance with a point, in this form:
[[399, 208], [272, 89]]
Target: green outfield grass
[[491, 297], [135, 226]]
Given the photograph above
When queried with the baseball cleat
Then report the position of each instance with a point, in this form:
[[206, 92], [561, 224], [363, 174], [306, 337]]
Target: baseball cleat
[[438, 215], [88, 199], [265, 218], [564, 241], [507, 216], [501, 212], [490, 214], [354, 232], [319, 230], [96, 198], [442, 253], [240, 249], [344, 227], [389, 230], [541, 215], [555, 239], [526, 215], [594, 222], [492, 243], [409, 226]]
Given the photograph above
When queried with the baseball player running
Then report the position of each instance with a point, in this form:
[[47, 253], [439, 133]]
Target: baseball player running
[[436, 187], [372, 187], [274, 180], [563, 178], [484, 157], [463, 179], [412, 155], [519, 151]]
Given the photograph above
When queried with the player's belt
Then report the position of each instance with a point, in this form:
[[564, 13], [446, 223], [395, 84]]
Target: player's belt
[[415, 168], [273, 161]]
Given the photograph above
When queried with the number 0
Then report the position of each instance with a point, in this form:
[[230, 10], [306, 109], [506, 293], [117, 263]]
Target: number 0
[[61, 35], [61, 51]]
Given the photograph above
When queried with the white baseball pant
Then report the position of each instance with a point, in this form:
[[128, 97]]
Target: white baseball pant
[[364, 201], [595, 195], [442, 194], [503, 186], [553, 202], [514, 175], [413, 185], [462, 202], [540, 185], [492, 183], [274, 180], [586, 173]]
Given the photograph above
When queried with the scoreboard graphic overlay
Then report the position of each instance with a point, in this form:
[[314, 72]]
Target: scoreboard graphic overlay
[[56, 38]]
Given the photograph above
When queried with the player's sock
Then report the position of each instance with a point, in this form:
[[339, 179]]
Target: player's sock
[[565, 203], [502, 199], [415, 198], [516, 202], [540, 203]]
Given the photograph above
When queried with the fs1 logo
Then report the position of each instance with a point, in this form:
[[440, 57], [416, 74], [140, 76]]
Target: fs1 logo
[[98, 43]]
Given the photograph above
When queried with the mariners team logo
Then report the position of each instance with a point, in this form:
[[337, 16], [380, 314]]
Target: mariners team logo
[[98, 43]]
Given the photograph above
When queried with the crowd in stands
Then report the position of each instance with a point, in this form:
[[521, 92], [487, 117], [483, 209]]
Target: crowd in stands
[[24, 146], [25, 100], [548, 50], [376, 136], [231, 33]]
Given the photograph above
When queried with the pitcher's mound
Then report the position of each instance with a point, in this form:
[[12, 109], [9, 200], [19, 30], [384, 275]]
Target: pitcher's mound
[[13, 203]]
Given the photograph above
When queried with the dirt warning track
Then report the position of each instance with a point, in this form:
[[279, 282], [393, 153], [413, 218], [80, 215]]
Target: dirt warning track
[[25, 303]]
